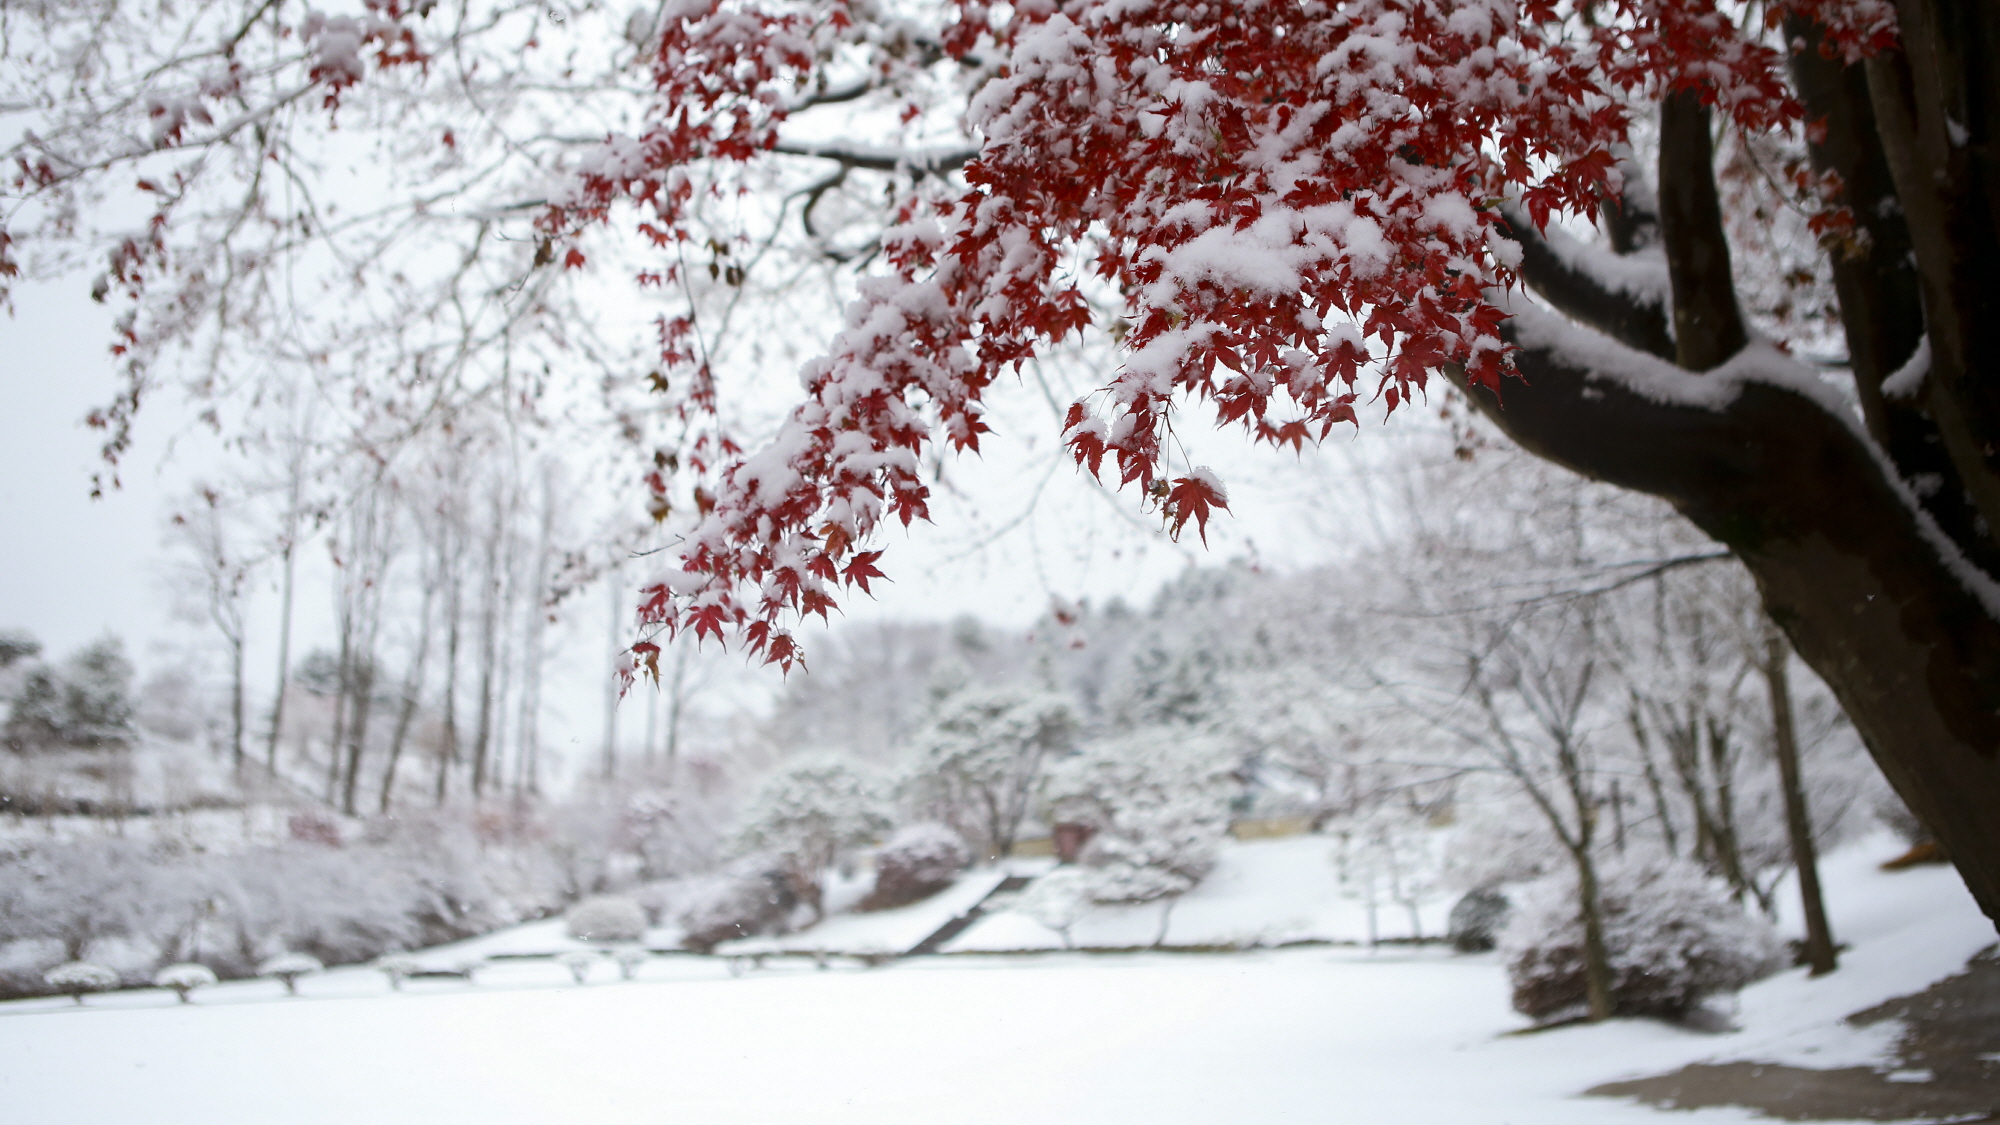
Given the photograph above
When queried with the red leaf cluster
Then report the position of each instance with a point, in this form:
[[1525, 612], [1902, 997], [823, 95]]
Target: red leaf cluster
[[1295, 199]]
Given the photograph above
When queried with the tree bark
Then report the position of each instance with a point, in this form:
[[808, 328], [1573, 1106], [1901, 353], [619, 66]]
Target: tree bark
[[1935, 103]]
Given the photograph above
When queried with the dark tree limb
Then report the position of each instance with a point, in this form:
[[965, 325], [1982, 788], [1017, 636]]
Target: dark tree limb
[[1846, 565], [1631, 219], [1632, 320], [1708, 325]]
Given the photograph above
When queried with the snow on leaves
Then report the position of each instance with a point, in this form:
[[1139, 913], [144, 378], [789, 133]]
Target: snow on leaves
[[338, 42], [1294, 201]]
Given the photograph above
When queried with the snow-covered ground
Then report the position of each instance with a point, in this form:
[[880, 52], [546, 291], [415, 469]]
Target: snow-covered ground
[[1262, 892], [1312, 1034]]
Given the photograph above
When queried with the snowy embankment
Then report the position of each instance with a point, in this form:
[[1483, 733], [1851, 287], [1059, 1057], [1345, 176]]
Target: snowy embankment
[[1261, 893], [882, 932], [1310, 1034]]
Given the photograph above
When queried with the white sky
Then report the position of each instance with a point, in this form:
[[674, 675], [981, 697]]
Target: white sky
[[1013, 529]]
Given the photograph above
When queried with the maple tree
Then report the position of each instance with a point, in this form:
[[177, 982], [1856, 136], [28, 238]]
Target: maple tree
[[1292, 211]]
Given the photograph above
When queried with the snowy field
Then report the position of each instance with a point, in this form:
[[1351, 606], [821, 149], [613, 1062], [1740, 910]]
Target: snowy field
[[1322, 1034]]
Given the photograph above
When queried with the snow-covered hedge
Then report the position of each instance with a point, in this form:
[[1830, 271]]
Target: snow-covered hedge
[[1477, 919], [606, 918], [1673, 935], [917, 862], [185, 978], [78, 977], [733, 906]]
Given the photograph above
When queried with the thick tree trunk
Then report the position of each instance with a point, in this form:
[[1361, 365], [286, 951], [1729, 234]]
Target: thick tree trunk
[[1846, 565], [1819, 951], [1935, 105], [1884, 594]]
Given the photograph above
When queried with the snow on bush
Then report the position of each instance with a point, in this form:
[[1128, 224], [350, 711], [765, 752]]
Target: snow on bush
[[978, 765], [733, 906], [1673, 935], [807, 814], [288, 968], [578, 962], [75, 978], [1158, 800], [606, 918], [397, 966], [1477, 919], [185, 978], [917, 862]]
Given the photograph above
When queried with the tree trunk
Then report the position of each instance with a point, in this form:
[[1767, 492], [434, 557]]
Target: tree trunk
[[611, 685], [284, 665], [1729, 850], [236, 705], [489, 659], [357, 734], [1596, 953], [1843, 561], [345, 681], [1820, 952], [413, 687], [1890, 598], [448, 753]]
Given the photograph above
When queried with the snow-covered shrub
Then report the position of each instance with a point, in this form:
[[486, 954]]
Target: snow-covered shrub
[[396, 966], [289, 967], [578, 962], [1477, 919], [977, 766], [1059, 900], [185, 978], [733, 906], [630, 959], [606, 918], [917, 862], [1158, 802], [75, 978], [807, 814], [1673, 935]]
